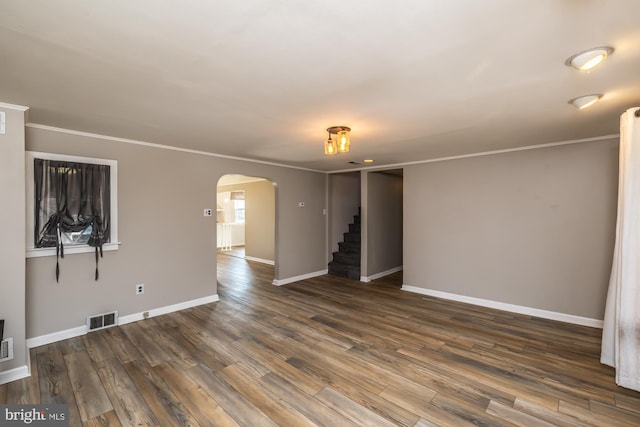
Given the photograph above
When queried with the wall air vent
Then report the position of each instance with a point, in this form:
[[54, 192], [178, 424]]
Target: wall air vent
[[6, 350], [102, 321]]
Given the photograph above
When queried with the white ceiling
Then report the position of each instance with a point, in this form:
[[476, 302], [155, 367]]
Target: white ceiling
[[259, 79]]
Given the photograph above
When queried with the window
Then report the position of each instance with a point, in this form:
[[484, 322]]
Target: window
[[237, 197], [238, 207], [71, 205]]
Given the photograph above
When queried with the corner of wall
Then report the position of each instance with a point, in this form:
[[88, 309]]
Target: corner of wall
[[12, 256]]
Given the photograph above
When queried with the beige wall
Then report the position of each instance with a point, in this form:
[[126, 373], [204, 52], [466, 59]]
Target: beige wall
[[12, 217], [260, 218], [384, 223], [167, 243], [533, 228]]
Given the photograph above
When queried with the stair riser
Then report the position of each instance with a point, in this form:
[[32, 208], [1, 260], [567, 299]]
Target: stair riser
[[354, 228], [349, 247], [348, 259], [342, 270], [352, 237]]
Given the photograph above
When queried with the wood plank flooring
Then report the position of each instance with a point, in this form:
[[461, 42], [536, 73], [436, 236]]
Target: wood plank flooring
[[332, 352]]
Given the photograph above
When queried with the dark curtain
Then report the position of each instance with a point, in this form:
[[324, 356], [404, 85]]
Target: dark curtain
[[71, 197]]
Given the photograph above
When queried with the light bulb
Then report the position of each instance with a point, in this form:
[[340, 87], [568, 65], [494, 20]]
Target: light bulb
[[343, 141], [585, 61], [330, 147], [585, 101]]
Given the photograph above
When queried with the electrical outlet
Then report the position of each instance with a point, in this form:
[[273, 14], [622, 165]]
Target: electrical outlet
[[145, 315], [139, 289], [208, 212]]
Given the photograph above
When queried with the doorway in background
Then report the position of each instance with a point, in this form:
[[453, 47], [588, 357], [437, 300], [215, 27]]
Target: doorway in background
[[246, 222]]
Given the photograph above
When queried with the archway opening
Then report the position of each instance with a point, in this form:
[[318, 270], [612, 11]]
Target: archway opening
[[245, 229]]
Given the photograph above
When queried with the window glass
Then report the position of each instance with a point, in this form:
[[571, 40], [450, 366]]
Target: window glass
[[238, 206], [77, 237], [72, 203]]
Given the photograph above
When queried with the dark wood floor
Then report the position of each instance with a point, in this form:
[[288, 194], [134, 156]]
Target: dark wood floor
[[332, 352]]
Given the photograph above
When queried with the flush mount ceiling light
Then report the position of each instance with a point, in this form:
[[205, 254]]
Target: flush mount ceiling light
[[585, 101], [586, 60], [341, 143]]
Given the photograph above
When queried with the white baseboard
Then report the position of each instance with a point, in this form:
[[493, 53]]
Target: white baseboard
[[56, 336], [367, 279], [298, 278], [529, 311], [264, 261], [123, 320], [82, 330], [14, 374]]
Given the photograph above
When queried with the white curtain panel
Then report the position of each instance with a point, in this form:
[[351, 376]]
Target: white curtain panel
[[621, 333]]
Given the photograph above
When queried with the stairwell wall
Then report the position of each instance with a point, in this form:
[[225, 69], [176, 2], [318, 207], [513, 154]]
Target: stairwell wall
[[384, 223]]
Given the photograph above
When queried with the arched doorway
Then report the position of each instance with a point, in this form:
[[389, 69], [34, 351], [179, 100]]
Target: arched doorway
[[245, 214]]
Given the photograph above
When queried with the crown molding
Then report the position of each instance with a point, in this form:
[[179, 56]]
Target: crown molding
[[365, 168], [479, 154], [162, 146]]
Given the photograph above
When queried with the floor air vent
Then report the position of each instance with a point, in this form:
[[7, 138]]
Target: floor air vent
[[102, 321], [6, 350]]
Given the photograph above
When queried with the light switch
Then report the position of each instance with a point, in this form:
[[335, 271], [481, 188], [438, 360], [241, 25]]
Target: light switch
[[2, 122]]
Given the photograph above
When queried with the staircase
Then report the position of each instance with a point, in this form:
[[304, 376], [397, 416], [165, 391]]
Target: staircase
[[346, 262]]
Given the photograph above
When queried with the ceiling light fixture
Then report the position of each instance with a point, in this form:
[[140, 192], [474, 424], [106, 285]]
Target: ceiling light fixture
[[586, 60], [341, 143], [583, 102]]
